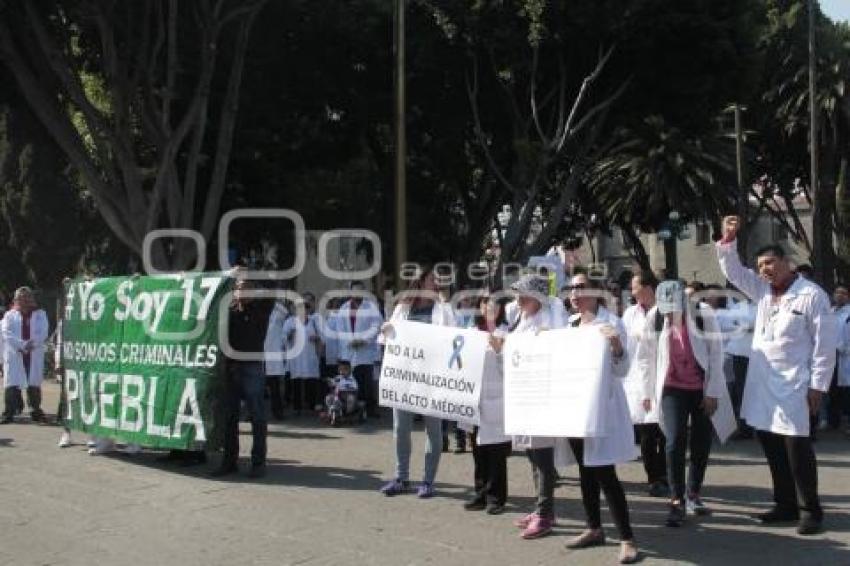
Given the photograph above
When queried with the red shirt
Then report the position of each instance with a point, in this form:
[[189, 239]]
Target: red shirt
[[684, 371]]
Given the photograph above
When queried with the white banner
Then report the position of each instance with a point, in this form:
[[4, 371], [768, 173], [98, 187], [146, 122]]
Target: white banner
[[434, 371], [554, 383]]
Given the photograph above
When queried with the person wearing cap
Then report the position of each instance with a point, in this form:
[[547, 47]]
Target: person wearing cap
[[423, 303], [535, 316], [25, 332], [791, 365], [638, 386], [681, 349], [597, 457]]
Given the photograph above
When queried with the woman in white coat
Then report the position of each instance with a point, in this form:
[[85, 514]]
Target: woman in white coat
[[682, 349], [427, 307], [640, 386], [597, 456], [535, 316], [25, 331], [303, 334]]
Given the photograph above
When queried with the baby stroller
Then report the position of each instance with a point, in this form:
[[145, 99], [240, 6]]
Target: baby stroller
[[344, 408]]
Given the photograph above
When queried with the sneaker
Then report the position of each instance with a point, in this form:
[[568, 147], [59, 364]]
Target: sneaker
[[538, 527], [523, 522], [676, 514], [395, 487], [425, 491], [809, 526], [695, 506], [65, 439], [659, 489], [102, 446], [475, 505]]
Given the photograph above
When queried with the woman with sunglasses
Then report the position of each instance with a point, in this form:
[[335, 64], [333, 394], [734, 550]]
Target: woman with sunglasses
[[597, 456]]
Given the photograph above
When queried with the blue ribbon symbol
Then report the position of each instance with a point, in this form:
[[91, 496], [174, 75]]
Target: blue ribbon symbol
[[457, 345]]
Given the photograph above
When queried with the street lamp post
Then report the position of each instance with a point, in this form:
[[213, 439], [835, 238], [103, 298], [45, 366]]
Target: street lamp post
[[673, 230]]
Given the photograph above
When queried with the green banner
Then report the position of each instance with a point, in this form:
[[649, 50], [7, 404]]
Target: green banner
[[142, 357]]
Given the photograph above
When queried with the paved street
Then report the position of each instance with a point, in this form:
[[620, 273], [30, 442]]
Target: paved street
[[319, 505]]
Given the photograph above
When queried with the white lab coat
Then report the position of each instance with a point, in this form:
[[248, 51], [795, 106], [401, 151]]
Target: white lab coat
[[638, 384], [13, 360], [794, 345], [367, 327], [618, 445], [275, 343], [303, 364], [442, 314], [653, 358], [491, 427], [842, 319]]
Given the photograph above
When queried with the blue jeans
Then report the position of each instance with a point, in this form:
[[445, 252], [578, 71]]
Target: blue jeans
[[678, 406], [402, 427], [246, 381]]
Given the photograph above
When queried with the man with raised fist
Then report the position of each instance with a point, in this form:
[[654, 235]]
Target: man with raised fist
[[791, 365]]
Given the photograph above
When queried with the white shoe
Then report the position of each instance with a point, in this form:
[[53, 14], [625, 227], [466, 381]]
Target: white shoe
[[65, 439], [102, 446]]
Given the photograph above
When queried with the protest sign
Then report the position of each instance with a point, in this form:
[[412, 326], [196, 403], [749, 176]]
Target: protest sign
[[554, 383], [142, 357], [434, 370]]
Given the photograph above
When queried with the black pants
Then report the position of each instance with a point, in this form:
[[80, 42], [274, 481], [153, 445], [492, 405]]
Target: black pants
[[366, 390], [794, 471], [305, 394], [839, 401], [13, 402], [595, 479], [245, 380], [491, 471], [652, 450], [275, 386], [544, 474], [739, 370], [460, 435]]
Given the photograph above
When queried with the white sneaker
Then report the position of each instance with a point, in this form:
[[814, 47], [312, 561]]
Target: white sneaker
[[65, 439], [102, 446]]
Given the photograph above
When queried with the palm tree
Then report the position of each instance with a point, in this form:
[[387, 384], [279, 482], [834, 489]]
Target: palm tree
[[655, 169]]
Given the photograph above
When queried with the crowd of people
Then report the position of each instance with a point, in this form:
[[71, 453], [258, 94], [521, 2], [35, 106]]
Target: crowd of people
[[686, 364]]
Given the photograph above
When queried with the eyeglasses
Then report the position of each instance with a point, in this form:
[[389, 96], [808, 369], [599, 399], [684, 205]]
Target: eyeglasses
[[577, 287]]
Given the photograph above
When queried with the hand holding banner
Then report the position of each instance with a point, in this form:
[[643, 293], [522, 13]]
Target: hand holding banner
[[434, 370], [555, 383]]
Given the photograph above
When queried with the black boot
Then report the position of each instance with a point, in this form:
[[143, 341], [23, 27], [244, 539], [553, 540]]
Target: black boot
[[34, 402]]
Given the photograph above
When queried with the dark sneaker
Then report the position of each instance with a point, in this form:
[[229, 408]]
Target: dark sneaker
[[809, 526], [425, 491], [659, 489], [695, 506], [395, 487], [778, 515], [475, 505], [676, 514]]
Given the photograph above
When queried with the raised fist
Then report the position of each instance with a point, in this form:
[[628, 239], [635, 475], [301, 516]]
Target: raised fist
[[730, 228]]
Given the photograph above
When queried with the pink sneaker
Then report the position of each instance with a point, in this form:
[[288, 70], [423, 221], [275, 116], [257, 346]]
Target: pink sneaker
[[523, 522], [538, 527]]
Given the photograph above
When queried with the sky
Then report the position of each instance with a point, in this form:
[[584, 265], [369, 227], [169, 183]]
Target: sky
[[838, 10]]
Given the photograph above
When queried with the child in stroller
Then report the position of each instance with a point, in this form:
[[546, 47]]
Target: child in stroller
[[341, 402]]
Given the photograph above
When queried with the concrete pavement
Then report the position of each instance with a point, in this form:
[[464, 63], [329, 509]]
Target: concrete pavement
[[319, 505]]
